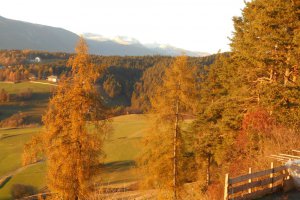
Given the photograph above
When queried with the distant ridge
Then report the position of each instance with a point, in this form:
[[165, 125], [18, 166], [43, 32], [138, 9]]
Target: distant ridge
[[16, 34], [22, 35]]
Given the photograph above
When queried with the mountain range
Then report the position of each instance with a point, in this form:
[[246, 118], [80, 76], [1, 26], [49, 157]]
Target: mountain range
[[16, 34]]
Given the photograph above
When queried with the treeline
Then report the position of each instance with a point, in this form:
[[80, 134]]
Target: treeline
[[21, 96], [21, 57], [20, 73], [126, 81], [145, 88], [130, 81]]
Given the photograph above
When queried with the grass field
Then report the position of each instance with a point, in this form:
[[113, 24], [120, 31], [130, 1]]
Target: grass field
[[34, 176], [121, 148], [34, 107], [11, 145], [14, 88]]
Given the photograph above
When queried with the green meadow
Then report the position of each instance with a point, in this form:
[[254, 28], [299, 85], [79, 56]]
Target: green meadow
[[15, 88], [121, 148], [34, 107]]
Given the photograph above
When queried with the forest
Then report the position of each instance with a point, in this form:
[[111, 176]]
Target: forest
[[125, 81]]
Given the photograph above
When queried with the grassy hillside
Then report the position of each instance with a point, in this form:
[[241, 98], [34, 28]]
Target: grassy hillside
[[121, 148], [11, 145], [34, 107], [34, 176], [123, 143], [19, 87]]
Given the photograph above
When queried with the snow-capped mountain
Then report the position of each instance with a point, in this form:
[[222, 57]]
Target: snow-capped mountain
[[23, 35], [161, 49]]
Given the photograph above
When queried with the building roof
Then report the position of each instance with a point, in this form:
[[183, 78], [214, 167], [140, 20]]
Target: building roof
[[52, 76]]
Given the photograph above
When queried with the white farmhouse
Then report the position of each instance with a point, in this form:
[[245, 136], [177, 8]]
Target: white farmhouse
[[37, 59], [52, 78]]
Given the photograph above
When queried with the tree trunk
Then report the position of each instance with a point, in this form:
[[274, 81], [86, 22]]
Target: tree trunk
[[271, 75], [295, 74], [286, 76], [175, 151], [208, 171]]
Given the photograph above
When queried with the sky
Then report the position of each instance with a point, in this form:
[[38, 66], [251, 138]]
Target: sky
[[196, 25]]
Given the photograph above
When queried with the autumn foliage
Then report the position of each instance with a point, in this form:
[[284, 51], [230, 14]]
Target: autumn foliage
[[75, 130], [163, 160]]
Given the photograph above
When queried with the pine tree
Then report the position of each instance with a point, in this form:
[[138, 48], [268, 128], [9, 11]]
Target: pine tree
[[218, 114], [207, 147], [163, 154], [75, 129], [267, 52]]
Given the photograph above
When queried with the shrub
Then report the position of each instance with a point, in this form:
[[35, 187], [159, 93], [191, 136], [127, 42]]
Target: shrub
[[15, 120], [19, 191]]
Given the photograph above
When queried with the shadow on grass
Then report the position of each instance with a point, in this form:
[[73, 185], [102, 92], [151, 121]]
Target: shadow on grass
[[118, 172], [38, 102], [118, 166], [4, 181], [8, 136], [291, 195], [125, 180], [21, 191], [41, 96]]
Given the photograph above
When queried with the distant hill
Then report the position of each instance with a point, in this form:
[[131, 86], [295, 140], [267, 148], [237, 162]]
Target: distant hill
[[23, 35]]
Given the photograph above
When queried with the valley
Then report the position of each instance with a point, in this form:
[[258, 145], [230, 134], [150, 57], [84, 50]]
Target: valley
[[97, 102]]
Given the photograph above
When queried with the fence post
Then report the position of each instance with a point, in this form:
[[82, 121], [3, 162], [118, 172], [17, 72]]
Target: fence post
[[250, 180], [284, 177], [226, 187], [271, 176]]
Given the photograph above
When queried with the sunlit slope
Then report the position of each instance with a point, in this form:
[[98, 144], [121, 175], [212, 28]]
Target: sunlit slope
[[11, 147], [121, 148], [124, 142], [34, 107]]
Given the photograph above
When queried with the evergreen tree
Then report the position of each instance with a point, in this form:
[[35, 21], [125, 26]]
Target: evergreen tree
[[219, 114], [267, 52], [260, 76]]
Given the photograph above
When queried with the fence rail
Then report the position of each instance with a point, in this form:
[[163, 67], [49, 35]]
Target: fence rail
[[257, 184]]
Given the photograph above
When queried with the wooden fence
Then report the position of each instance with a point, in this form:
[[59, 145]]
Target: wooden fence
[[257, 184]]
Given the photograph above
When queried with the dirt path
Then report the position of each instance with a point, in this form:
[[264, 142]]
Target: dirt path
[[43, 83], [4, 179]]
